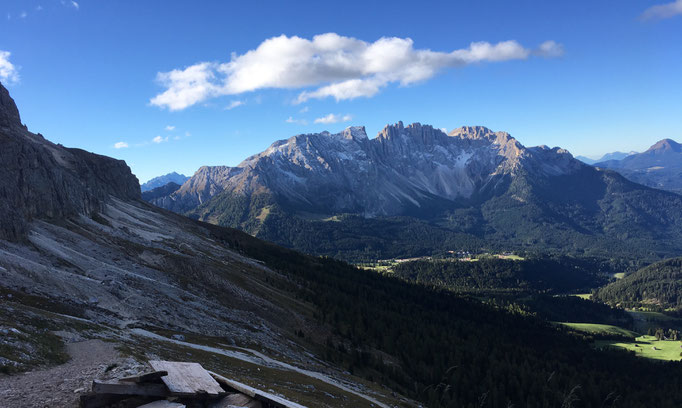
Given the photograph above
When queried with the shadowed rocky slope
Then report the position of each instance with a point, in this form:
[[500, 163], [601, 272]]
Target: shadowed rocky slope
[[43, 180]]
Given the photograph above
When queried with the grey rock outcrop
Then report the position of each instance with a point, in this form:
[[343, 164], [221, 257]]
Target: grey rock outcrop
[[43, 180]]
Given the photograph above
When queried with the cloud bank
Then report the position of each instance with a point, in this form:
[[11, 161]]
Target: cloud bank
[[8, 72], [337, 66], [663, 11]]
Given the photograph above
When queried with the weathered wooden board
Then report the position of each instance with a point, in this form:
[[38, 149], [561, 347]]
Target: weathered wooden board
[[146, 390], [163, 404], [187, 378], [146, 377], [256, 394]]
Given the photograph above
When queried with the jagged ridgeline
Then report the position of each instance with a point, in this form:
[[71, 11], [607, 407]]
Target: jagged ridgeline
[[414, 190]]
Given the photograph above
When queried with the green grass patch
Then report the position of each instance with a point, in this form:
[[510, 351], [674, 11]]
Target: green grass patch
[[600, 329], [647, 347]]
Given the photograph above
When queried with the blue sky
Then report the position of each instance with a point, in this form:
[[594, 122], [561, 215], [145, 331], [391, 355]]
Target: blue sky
[[592, 77]]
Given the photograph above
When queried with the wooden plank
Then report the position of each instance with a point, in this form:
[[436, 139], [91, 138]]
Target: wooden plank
[[163, 404], [146, 377], [187, 378], [270, 399], [146, 390]]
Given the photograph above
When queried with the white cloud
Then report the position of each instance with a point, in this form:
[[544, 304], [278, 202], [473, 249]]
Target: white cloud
[[332, 118], [662, 11], [23, 14], [550, 49], [304, 109], [8, 72], [340, 67], [185, 87], [234, 104], [159, 139], [75, 5], [296, 121], [170, 128], [120, 145]]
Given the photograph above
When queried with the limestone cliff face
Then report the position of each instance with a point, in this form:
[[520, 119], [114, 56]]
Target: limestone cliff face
[[39, 179]]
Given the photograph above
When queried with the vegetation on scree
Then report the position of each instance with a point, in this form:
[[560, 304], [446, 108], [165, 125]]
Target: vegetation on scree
[[448, 351]]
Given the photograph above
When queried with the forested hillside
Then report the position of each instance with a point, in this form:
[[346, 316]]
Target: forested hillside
[[558, 275], [656, 286], [452, 352]]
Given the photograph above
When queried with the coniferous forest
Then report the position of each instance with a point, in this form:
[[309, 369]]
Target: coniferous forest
[[447, 351]]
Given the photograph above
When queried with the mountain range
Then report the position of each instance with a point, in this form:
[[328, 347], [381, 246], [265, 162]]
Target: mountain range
[[163, 180], [414, 189], [659, 167], [607, 156]]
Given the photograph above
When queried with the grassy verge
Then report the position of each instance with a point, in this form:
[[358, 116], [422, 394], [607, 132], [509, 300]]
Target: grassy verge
[[647, 347], [600, 329]]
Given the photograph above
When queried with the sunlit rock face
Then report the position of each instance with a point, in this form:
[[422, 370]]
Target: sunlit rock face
[[402, 169]]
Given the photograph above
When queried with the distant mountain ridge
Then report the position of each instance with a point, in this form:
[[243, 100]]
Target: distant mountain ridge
[[607, 156], [163, 180], [659, 167], [414, 189]]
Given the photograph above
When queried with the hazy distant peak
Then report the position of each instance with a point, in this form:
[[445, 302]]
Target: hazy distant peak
[[161, 181], [666, 145]]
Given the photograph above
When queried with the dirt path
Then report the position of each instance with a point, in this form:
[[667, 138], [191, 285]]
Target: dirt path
[[60, 386]]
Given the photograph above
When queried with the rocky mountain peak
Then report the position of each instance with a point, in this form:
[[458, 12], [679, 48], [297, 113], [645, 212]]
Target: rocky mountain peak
[[415, 132], [355, 133], [9, 114]]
